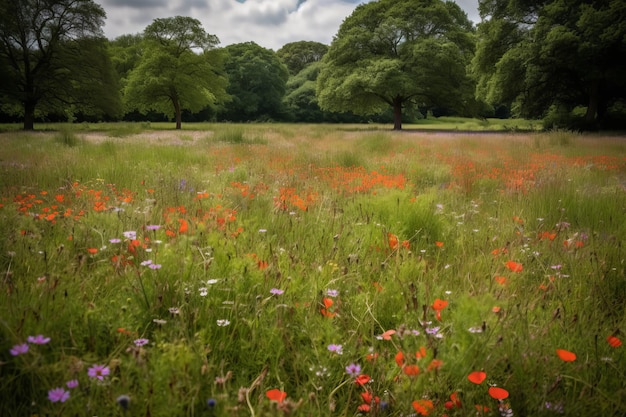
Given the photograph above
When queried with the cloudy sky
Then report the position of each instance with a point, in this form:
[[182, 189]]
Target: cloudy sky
[[269, 23]]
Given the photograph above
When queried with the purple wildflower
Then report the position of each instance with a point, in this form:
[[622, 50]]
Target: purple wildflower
[[73, 383], [38, 340], [332, 293], [19, 349], [154, 266], [338, 349], [353, 369], [98, 371], [276, 291], [58, 395], [153, 227], [141, 342]]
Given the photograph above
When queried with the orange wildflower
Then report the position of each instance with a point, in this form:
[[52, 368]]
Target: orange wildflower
[[566, 355], [387, 335], [362, 379], [614, 341], [393, 240], [184, 226], [501, 280], [434, 364], [498, 393], [399, 358], [276, 395], [477, 377], [514, 266], [411, 370], [92, 251], [421, 353], [423, 407]]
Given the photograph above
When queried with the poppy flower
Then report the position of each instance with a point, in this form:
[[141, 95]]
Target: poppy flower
[[92, 251], [393, 240], [411, 370], [364, 408], [477, 377], [367, 397], [454, 401], [276, 395], [434, 364], [614, 341], [439, 304], [423, 407], [421, 353], [498, 393], [514, 266], [400, 358], [362, 379], [439, 244], [566, 355], [387, 335]]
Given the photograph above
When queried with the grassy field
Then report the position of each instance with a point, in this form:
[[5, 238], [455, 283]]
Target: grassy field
[[311, 270]]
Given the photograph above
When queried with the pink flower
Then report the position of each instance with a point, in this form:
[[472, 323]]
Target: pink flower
[[98, 371], [19, 349], [58, 395], [73, 383], [38, 340]]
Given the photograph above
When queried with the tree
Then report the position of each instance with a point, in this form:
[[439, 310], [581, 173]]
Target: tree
[[549, 53], [48, 55], [398, 53], [298, 55], [256, 83], [179, 69]]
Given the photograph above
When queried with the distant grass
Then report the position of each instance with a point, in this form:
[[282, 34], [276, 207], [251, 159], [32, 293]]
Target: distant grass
[[362, 230]]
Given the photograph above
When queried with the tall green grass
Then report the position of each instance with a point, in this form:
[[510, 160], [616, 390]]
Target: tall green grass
[[242, 239]]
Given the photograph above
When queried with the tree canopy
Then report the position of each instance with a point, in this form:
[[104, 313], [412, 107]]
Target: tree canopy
[[298, 55], [53, 58], [179, 69], [257, 80], [541, 54], [398, 53]]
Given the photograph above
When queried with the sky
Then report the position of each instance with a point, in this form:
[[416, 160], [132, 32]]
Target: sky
[[269, 23]]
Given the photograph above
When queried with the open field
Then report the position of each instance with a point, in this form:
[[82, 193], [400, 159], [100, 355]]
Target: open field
[[311, 270]]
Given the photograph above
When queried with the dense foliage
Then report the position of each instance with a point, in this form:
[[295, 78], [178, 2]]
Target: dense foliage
[[396, 54], [555, 60]]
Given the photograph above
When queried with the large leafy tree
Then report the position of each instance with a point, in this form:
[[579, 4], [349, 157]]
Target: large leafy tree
[[298, 55], [51, 52], [398, 53], [257, 81], [179, 69], [565, 53]]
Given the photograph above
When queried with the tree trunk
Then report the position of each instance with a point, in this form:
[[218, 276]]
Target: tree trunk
[[179, 119], [397, 114], [29, 115]]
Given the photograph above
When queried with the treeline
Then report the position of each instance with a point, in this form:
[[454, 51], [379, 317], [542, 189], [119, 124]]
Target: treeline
[[391, 61]]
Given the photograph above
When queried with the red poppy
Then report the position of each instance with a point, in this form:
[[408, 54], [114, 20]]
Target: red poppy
[[423, 407], [92, 251], [367, 397], [400, 358], [514, 266], [498, 393], [411, 370], [364, 408], [421, 353], [439, 244], [362, 379], [328, 302], [614, 341], [393, 240], [501, 280], [276, 395], [439, 304], [434, 364], [566, 355], [184, 226], [477, 377]]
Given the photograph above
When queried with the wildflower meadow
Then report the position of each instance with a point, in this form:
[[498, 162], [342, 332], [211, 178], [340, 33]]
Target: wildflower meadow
[[311, 270]]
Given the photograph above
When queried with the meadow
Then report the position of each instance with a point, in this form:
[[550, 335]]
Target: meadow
[[311, 270]]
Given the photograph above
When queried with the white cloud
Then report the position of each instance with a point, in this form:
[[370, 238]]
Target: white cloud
[[269, 23]]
